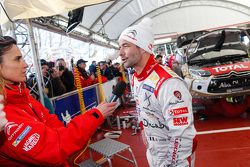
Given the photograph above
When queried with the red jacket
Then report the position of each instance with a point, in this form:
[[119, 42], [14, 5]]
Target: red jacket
[[170, 61], [33, 136]]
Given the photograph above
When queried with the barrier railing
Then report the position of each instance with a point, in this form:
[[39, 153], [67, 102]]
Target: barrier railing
[[67, 105]]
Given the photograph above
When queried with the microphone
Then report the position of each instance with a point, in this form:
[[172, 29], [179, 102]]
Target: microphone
[[118, 91]]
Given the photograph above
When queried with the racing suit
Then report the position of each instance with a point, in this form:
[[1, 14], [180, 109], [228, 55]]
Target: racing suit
[[35, 137], [164, 105]]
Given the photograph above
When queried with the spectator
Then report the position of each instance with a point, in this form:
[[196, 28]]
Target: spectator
[[86, 79], [158, 59], [52, 82], [106, 71], [171, 61], [81, 65], [92, 68], [115, 71], [117, 66], [66, 75], [35, 137]]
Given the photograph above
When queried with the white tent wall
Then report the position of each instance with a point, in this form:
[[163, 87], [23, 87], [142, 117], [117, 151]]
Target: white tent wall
[[52, 46], [170, 17], [191, 15], [203, 18]]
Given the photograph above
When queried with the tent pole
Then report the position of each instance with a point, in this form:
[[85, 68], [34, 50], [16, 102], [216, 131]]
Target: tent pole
[[36, 60], [1, 32]]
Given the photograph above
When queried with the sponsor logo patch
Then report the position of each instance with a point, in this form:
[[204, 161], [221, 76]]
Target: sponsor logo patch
[[31, 142], [179, 111], [21, 136], [180, 121], [176, 146], [147, 99], [15, 132], [8, 127], [175, 102], [148, 88], [133, 33], [230, 67], [177, 94]]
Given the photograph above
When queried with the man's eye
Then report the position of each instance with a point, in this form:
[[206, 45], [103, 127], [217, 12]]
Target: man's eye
[[19, 58]]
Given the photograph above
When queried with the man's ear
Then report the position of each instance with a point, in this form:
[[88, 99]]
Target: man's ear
[[142, 51]]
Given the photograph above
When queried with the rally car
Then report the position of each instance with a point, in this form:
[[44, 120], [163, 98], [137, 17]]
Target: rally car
[[218, 64]]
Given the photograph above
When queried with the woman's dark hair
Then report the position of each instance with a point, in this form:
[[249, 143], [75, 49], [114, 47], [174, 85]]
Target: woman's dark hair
[[6, 42]]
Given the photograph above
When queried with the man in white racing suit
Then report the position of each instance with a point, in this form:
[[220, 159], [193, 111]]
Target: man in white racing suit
[[163, 101]]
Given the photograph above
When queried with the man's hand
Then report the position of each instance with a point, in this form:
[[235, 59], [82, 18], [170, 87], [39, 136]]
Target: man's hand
[[106, 108], [3, 120]]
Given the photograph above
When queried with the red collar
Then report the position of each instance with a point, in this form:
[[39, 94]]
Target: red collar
[[16, 93], [147, 69]]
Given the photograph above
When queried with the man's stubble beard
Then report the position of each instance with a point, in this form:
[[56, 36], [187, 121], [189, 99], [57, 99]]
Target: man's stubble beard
[[132, 62], [129, 65]]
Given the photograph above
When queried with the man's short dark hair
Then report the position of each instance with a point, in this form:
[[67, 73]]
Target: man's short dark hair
[[109, 62], [158, 56], [60, 59], [44, 62]]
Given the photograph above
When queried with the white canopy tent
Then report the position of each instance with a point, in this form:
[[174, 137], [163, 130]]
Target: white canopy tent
[[24, 9], [170, 17]]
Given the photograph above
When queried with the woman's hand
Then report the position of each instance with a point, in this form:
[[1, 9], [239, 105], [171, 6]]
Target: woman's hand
[[106, 108], [3, 120]]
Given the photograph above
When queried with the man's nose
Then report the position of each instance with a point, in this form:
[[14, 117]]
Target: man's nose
[[120, 52]]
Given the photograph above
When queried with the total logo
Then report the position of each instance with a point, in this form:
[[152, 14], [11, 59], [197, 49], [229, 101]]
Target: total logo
[[230, 67]]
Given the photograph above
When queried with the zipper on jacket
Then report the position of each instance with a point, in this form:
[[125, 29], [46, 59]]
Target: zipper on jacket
[[31, 107], [20, 88]]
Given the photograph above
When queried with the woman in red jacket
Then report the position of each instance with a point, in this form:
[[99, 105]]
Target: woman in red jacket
[[32, 135]]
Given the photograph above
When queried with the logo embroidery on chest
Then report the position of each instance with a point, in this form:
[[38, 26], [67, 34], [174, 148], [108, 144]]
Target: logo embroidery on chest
[[148, 88], [147, 102], [147, 99]]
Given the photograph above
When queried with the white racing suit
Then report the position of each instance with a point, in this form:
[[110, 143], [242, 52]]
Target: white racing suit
[[164, 105]]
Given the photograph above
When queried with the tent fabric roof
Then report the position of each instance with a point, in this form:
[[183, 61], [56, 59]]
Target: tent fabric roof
[[170, 17], [23, 9]]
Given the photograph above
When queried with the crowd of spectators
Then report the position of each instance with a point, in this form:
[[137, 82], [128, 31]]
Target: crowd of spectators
[[58, 79]]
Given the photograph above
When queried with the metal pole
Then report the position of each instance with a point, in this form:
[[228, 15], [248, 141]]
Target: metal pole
[[1, 32], [36, 60]]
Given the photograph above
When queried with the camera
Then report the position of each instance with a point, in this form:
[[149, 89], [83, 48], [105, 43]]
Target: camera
[[61, 68], [51, 71]]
